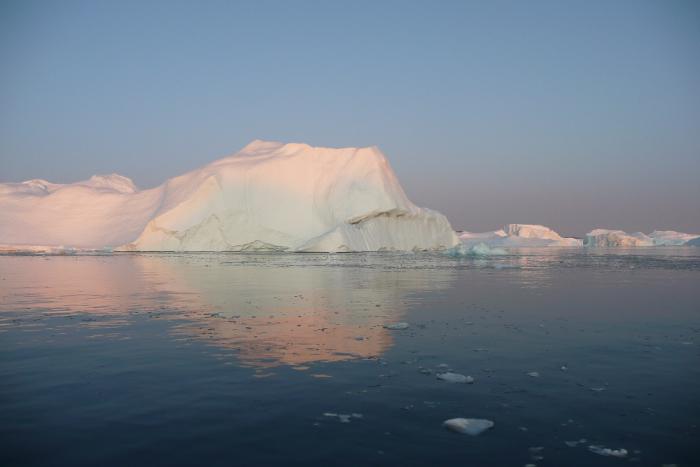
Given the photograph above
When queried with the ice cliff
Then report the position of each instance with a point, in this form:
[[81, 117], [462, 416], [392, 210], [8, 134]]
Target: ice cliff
[[269, 196]]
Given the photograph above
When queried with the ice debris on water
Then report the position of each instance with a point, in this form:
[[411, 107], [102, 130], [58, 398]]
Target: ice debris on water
[[468, 426], [603, 451], [534, 374], [396, 326], [573, 444], [478, 250], [455, 378], [344, 418]]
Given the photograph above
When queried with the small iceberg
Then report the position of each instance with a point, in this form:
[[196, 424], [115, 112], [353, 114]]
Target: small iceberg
[[479, 250], [468, 426], [455, 378]]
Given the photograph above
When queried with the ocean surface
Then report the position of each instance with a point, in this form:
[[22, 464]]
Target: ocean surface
[[284, 359]]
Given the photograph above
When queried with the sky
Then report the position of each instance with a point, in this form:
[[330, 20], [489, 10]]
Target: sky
[[571, 114]]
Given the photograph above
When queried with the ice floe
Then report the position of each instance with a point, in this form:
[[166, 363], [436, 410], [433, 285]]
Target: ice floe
[[455, 378], [603, 451], [468, 426]]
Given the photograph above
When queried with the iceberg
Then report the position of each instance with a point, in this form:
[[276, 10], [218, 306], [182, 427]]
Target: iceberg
[[671, 238], [267, 197], [518, 235], [616, 238], [693, 242]]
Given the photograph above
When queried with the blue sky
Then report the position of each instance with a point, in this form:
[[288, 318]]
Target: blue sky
[[572, 114]]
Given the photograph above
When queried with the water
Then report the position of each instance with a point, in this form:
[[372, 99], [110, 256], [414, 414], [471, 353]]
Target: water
[[233, 359]]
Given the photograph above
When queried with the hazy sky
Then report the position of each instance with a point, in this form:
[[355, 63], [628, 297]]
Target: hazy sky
[[571, 114]]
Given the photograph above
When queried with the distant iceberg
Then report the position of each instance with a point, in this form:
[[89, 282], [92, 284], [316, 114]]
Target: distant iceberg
[[671, 238], [693, 242], [518, 235], [268, 197], [619, 238], [616, 238]]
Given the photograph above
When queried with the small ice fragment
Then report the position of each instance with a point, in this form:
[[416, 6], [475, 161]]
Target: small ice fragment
[[603, 451], [455, 378], [598, 389], [396, 326], [443, 365], [468, 426], [573, 444], [344, 418], [564, 368], [330, 414], [356, 415], [534, 374]]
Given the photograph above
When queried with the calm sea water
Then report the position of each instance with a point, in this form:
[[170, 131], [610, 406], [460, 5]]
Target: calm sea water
[[241, 359]]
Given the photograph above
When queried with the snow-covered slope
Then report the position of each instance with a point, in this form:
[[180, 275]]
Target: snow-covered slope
[[268, 196], [519, 235]]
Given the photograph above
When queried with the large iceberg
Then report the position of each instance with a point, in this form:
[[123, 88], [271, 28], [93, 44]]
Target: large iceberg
[[269, 196], [519, 235]]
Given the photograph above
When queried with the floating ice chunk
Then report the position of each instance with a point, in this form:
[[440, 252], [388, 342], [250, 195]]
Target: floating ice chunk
[[455, 378], [603, 451], [573, 444], [479, 250], [344, 418], [396, 326], [468, 426], [534, 374]]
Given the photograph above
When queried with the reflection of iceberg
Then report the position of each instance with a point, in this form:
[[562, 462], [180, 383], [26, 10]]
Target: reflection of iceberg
[[269, 309]]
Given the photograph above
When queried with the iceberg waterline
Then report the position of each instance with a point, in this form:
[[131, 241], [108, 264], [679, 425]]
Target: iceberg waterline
[[267, 197]]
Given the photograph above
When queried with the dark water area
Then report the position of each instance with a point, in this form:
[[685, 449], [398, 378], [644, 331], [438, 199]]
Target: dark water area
[[274, 359]]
